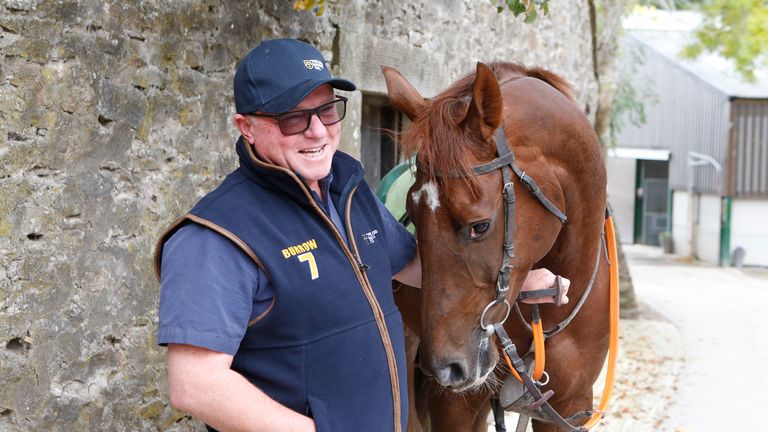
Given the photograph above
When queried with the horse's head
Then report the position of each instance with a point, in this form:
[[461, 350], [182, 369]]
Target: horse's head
[[460, 218]]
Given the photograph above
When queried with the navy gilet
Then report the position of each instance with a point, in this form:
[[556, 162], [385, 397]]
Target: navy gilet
[[331, 345]]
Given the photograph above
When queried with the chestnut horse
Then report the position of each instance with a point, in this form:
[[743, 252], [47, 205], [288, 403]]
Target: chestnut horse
[[459, 214]]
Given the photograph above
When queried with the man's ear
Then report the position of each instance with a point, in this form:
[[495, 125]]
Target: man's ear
[[244, 126]]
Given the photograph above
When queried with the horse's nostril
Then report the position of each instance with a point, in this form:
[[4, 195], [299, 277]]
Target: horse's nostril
[[452, 374], [457, 373]]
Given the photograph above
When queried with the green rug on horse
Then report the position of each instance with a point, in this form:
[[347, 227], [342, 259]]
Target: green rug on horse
[[393, 191]]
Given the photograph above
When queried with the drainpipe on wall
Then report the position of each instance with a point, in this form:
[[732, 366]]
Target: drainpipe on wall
[[725, 231], [637, 227]]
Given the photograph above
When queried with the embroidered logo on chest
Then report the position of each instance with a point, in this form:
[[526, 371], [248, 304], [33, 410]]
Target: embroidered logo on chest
[[370, 237]]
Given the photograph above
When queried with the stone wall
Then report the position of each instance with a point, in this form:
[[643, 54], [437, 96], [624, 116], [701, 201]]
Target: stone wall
[[115, 119]]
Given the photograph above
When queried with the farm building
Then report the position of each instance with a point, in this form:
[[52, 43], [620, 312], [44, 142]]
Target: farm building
[[694, 176]]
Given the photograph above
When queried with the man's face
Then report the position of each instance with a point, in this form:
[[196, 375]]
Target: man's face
[[309, 153]]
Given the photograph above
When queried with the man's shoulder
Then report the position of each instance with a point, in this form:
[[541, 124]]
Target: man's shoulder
[[345, 163], [233, 184], [192, 237]]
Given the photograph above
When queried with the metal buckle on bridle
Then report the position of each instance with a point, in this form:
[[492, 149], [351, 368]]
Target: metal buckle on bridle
[[509, 192], [490, 328]]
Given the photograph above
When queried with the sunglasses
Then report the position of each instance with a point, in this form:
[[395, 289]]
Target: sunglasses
[[296, 122]]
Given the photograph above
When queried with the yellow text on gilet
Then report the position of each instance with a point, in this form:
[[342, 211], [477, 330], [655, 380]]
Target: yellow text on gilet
[[307, 246], [303, 252]]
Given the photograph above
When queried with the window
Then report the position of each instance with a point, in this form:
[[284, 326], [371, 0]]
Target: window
[[380, 125]]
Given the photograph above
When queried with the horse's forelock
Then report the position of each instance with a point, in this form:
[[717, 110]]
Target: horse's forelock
[[443, 148]]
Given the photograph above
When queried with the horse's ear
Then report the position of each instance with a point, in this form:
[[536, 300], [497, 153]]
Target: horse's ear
[[485, 108], [402, 94]]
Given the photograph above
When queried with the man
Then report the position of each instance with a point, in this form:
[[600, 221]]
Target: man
[[276, 301]]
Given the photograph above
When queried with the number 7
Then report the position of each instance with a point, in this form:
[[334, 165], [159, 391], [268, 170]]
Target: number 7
[[308, 257]]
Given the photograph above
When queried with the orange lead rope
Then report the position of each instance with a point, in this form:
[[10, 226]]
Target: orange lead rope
[[538, 349], [613, 345], [538, 345]]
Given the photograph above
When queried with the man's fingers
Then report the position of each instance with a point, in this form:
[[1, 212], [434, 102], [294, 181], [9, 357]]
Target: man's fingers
[[566, 284], [540, 279]]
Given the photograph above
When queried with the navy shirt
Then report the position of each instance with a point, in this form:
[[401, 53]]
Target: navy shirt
[[211, 289]]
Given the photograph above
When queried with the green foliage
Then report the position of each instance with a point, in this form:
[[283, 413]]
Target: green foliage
[[525, 7], [735, 29], [529, 8], [316, 6], [671, 4], [628, 100]]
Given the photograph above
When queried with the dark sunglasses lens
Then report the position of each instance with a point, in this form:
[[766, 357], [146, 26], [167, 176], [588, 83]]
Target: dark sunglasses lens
[[293, 123], [332, 112]]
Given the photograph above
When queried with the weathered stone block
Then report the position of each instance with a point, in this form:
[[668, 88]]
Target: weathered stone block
[[35, 50], [121, 103]]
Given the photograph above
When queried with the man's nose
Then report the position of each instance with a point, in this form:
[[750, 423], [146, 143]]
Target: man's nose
[[316, 127]]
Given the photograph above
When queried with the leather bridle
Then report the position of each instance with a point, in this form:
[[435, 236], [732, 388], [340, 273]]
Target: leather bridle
[[505, 161]]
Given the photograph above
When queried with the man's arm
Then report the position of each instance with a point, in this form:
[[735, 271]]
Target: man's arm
[[201, 383], [411, 273]]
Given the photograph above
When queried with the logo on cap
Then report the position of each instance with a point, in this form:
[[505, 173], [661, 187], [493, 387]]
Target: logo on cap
[[313, 64]]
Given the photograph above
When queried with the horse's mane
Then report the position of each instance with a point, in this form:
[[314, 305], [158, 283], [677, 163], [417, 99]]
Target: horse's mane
[[440, 145]]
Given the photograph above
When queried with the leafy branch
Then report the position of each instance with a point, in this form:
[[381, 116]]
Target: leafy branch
[[735, 29], [525, 7], [629, 99]]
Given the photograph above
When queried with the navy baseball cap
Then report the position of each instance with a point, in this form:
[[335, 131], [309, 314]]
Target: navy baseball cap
[[278, 74]]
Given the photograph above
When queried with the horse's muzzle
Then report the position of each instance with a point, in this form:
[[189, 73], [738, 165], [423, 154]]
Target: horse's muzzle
[[460, 373], [452, 374]]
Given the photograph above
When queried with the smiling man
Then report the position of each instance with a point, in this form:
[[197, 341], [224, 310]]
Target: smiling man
[[275, 300]]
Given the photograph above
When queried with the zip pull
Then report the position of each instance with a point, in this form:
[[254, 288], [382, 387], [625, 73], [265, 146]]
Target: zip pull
[[362, 267]]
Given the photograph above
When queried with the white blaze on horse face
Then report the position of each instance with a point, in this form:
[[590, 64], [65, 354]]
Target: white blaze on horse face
[[429, 189]]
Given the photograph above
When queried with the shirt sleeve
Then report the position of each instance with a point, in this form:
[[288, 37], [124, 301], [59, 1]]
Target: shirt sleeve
[[401, 245], [209, 290]]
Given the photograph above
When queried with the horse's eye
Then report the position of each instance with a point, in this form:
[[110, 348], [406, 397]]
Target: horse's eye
[[478, 229]]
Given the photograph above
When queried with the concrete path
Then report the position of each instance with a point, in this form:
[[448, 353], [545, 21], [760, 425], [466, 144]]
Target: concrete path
[[720, 314], [692, 358]]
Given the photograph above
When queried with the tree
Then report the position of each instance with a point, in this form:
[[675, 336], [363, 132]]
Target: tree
[[735, 29]]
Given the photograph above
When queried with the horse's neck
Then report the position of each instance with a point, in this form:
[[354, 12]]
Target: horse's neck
[[576, 248]]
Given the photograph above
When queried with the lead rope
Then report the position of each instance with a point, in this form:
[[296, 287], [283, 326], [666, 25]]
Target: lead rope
[[516, 365], [613, 345]]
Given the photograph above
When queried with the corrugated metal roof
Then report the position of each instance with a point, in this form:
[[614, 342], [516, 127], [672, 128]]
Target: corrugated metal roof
[[668, 32]]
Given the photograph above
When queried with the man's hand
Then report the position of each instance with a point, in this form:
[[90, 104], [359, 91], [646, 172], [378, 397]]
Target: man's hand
[[542, 279]]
